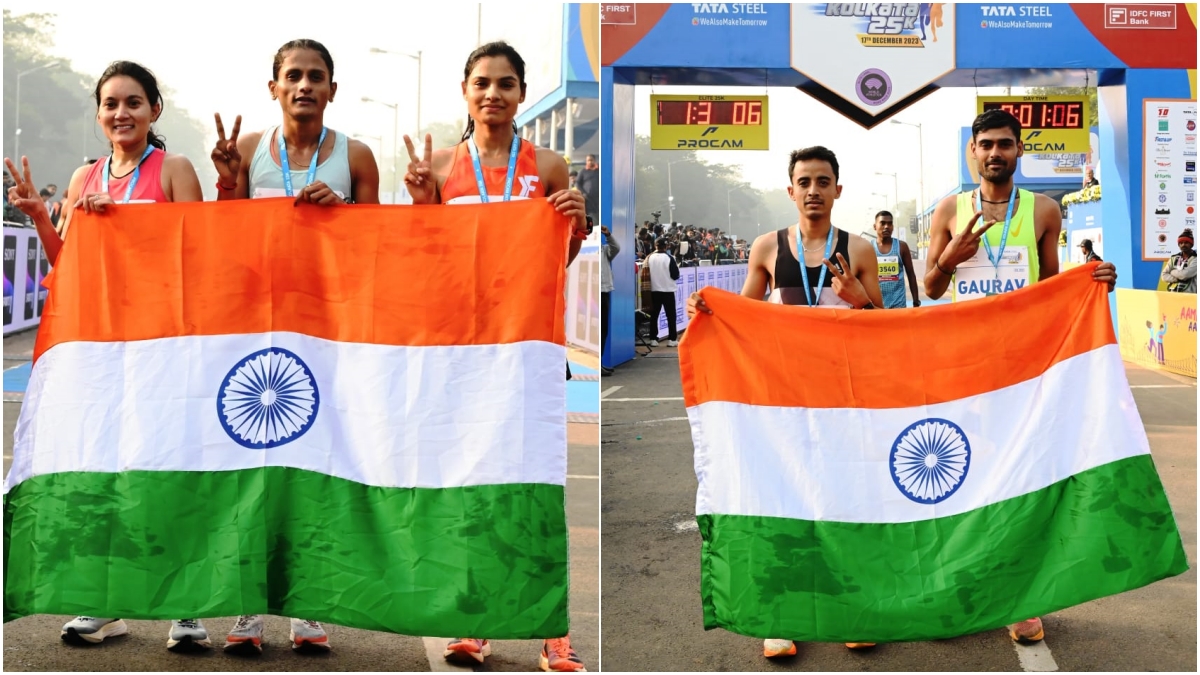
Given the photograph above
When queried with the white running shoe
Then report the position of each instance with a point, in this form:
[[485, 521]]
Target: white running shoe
[[672, 343], [308, 634], [654, 343], [246, 636], [187, 635], [90, 630]]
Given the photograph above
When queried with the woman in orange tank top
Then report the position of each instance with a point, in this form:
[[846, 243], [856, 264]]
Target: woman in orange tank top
[[493, 86], [140, 169]]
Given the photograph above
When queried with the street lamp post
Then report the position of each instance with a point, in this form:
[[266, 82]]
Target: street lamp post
[[729, 209], [417, 58], [921, 159], [395, 149], [17, 121], [670, 192], [895, 187]]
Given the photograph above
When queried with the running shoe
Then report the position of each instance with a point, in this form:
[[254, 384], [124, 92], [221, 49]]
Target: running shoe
[[308, 634], [773, 649], [1027, 631], [187, 635], [467, 651], [557, 656], [654, 343], [90, 630], [859, 645], [672, 343], [246, 636]]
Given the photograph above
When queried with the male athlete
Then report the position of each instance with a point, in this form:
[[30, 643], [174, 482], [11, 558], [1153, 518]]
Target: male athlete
[[1019, 235], [894, 257], [838, 271]]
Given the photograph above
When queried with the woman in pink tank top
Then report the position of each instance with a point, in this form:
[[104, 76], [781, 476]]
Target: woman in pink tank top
[[140, 169]]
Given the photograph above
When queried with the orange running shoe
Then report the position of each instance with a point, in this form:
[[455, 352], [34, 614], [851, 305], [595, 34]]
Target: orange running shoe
[[774, 649], [557, 656], [1027, 631], [467, 651]]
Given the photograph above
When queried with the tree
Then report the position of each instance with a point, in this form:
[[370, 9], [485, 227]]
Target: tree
[[1090, 92], [58, 110]]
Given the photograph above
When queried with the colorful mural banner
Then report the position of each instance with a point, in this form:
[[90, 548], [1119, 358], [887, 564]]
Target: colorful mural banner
[[1158, 329]]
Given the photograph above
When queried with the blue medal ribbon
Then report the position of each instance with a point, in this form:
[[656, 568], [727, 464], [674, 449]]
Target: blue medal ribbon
[[804, 268], [512, 169], [999, 257], [137, 173], [287, 169]]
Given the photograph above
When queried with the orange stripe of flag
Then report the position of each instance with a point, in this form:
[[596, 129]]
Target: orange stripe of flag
[[390, 275], [757, 353]]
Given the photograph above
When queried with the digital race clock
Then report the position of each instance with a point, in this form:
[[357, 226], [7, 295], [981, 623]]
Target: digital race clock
[[1049, 124], [694, 122]]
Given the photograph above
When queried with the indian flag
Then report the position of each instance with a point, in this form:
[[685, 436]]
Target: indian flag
[[921, 474], [354, 415]]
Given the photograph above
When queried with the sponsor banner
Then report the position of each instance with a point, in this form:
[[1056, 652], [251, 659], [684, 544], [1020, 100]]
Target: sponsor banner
[[22, 279], [1168, 175], [691, 279], [886, 51], [1141, 16], [1158, 329], [718, 35]]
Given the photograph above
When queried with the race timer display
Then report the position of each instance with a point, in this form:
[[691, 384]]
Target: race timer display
[[1049, 124], [702, 122]]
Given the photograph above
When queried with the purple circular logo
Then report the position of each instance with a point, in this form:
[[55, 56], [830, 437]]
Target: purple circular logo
[[874, 87]]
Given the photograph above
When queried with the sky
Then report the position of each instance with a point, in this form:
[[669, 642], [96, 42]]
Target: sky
[[217, 58], [888, 148]]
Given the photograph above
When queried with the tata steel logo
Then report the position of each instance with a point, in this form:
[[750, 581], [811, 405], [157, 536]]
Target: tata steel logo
[[725, 8], [1000, 11]]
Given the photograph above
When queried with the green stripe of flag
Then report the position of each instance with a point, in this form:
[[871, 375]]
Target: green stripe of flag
[[1100, 532], [487, 561]]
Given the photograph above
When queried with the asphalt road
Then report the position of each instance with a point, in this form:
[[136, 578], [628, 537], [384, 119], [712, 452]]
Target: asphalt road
[[33, 643], [651, 566]]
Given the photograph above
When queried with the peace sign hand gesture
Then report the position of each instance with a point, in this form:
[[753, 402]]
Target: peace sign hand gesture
[[964, 245], [845, 284], [225, 156], [419, 179], [24, 195]]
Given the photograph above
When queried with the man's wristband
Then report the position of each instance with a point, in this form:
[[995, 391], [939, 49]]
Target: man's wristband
[[938, 265], [869, 305], [227, 189]]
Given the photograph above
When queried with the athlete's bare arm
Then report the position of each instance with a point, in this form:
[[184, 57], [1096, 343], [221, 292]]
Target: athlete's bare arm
[[936, 282], [1047, 220], [761, 266], [906, 259], [552, 171], [180, 182], [864, 266], [364, 173], [948, 250]]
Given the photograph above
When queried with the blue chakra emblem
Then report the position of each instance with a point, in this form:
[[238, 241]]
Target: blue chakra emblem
[[929, 460], [268, 399]]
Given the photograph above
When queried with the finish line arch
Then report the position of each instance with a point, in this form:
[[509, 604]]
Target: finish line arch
[[1132, 51]]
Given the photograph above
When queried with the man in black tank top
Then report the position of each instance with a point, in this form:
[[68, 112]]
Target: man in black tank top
[[851, 273]]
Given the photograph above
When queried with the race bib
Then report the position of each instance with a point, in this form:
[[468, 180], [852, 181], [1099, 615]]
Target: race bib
[[977, 278], [265, 192], [889, 268]]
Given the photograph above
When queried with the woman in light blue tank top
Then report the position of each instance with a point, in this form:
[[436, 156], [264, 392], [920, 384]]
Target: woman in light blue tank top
[[300, 158]]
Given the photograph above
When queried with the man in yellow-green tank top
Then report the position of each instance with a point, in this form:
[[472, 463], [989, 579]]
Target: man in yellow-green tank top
[[1015, 246]]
